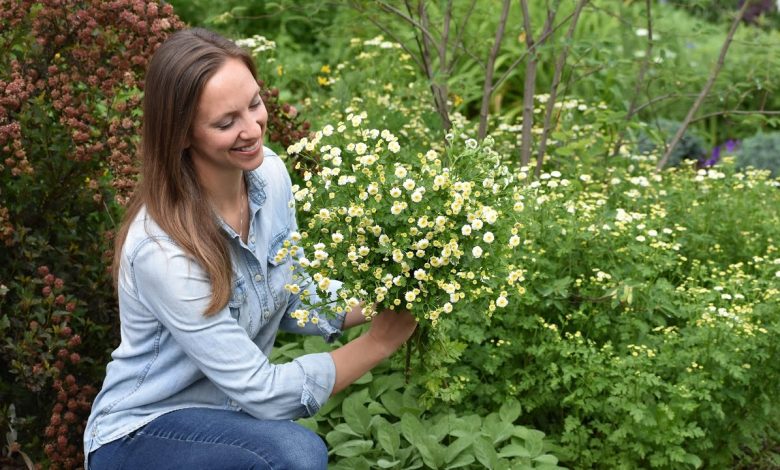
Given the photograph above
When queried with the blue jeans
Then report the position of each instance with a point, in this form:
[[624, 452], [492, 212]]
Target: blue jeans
[[201, 438]]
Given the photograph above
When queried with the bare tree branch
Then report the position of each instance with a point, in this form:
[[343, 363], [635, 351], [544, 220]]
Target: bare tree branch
[[640, 79], [406, 17], [530, 79], [738, 112], [462, 29], [559, 64], [707, 87], [490, 69], [520, 59], [389, 33], [445, 38], [438, 82]]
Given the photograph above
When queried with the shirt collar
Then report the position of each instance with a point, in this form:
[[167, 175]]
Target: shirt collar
[[255, 185]]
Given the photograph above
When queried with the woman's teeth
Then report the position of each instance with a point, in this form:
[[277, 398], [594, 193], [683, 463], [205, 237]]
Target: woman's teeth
[[248, 148]]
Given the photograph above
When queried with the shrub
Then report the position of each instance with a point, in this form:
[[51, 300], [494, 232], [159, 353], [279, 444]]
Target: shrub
[[381, 423], [69, 94], [658, 135], [761, 151], [649, 302]]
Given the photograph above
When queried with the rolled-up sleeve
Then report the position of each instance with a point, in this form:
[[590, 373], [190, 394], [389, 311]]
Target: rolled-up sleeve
[[329, 328], [176, 290]]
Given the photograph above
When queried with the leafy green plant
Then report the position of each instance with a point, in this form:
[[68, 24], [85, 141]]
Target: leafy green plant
[[380, 423], [69, 95], [761, 151]]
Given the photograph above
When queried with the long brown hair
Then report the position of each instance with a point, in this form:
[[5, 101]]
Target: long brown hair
[[168, 186]]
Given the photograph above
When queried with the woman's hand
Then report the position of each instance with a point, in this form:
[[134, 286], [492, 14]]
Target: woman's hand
[[390, 329]]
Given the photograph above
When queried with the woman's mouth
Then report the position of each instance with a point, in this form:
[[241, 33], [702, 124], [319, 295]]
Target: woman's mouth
[[248, 148]]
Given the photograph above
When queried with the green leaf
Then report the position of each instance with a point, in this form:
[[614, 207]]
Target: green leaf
[[384, 463], [455, 449], [414, 432], [411, 428], [393, 401], [535, 446], [308, 423], [383, 383], [364, 379], [352, 448], [693, 460], [463, 460], [389, 438], [498, 430], [514, 450], [546, 459], [510, 410], [485, 453], [356, 415]]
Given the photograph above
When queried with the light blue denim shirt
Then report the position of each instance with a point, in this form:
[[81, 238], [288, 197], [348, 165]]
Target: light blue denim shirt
[[171, 356]]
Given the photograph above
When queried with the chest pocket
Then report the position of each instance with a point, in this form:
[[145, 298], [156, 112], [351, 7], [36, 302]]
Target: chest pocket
[[238, 302], [279, 268]]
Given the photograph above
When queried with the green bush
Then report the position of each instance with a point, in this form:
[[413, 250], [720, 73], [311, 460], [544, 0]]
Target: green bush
[[646, 303], [69, 95], [659, 134], [381, 423], [761, 151]]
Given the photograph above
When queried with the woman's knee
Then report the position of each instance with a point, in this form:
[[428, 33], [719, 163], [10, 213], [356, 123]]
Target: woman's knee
[[305, 450]]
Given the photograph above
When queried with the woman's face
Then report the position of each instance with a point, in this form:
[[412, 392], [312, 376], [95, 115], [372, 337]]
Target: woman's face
[[230, 122]]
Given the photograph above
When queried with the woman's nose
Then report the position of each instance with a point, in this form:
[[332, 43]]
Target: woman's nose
[[252, 130]]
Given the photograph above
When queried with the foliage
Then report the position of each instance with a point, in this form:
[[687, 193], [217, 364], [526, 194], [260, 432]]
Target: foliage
[[761, 151], [69, 91], [690, 147], [761, 12], [380, 423], [642, 337], [628, 285]]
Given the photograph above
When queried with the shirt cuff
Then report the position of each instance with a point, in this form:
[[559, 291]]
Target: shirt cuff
[[319, 373], [330, 329]]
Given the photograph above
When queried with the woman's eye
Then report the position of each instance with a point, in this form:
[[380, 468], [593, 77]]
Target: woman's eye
[[225, 125], [255, 105]]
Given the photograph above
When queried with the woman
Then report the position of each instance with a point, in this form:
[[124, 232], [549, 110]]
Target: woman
[[201, 293]]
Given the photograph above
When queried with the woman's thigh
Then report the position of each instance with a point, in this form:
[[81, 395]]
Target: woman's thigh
[[201, 438]]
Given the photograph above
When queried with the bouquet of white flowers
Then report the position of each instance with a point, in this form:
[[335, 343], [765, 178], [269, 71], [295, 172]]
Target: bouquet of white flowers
[[427, 232]]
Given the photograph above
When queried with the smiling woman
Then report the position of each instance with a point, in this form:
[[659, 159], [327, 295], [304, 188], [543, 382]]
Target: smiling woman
[[201, 286]]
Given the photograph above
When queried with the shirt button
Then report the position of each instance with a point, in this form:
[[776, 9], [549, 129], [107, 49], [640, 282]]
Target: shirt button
[[252, 239], [258, 277]]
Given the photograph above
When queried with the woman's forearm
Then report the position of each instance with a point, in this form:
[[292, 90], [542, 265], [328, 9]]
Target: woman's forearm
[[355, 359], [389, 330]]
